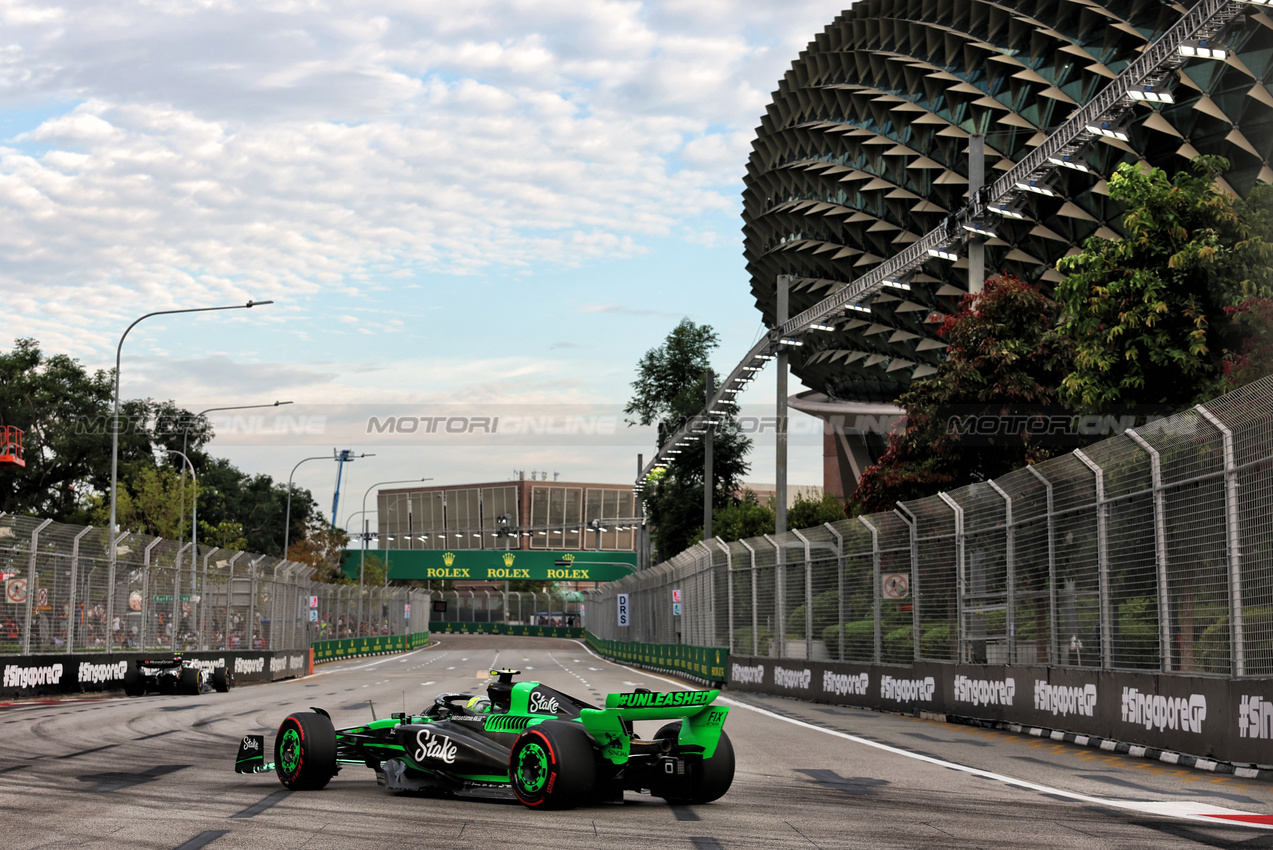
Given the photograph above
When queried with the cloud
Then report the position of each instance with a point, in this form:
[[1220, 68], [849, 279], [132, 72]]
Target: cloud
[[622, 310]]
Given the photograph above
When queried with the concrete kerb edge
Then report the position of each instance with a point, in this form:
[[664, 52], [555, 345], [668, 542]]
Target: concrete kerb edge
[[1110, 745]]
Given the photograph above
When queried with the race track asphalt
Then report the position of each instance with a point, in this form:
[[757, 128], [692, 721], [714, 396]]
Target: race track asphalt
[[157, 772]]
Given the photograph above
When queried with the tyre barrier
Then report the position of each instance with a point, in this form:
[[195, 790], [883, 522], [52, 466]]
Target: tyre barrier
[[24, 676]]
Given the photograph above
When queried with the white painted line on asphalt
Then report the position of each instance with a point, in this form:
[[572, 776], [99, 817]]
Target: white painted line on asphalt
[[1186, 809]]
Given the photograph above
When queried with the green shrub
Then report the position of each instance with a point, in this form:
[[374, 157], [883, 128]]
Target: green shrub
[[859, 640], [899, 646], [934, 642], [743, 641], [826, 610], [1213, 652]]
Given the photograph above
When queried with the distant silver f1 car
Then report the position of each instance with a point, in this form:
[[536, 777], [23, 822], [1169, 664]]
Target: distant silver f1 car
[[173, 674]]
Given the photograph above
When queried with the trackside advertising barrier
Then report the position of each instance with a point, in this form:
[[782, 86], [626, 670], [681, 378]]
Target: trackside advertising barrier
[[504, 629], [709, 664], [337, 650], [60, 675], [1219, 718]]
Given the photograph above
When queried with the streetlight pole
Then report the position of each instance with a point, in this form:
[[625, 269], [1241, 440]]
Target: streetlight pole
[[185, 434], [194, 547], [362, 563], [287, 519], [119, 350]]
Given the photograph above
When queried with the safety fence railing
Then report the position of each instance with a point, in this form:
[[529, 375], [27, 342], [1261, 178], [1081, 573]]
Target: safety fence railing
[[547, 608], [63, 593], [1148, 551]]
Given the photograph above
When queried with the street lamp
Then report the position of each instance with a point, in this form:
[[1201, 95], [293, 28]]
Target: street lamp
[[410, 529], [185, 433], [119, 350], [287, 519], [362, 563], [194, 546]]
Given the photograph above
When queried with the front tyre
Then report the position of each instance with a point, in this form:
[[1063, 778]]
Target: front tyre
[[221, 681], [305, 751], [552, 765], [710, 778]]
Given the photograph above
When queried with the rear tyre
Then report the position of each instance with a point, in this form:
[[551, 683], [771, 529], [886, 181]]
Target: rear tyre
[[221, 680], [191, 679], [133, 684], [711, 777], [305, 751], [552, 765]]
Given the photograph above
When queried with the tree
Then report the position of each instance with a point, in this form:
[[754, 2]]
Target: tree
[[322, 547], [746, 517], [1150, 315], [1003, 362], [154, 501], [66, 414], [668, 391], [808, 512], [255, 502]]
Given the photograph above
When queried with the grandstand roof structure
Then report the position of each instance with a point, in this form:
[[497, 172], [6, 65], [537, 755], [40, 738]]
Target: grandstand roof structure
[[864, 150]]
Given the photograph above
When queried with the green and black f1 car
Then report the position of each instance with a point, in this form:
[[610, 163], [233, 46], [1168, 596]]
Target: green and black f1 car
[[547, 748]]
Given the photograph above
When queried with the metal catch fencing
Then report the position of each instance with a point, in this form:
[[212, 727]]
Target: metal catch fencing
[[1151, 550], [63, 594], [549, 608]]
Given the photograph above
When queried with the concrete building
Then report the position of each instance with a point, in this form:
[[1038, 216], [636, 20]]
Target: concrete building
[[519, 514], [866, 146]]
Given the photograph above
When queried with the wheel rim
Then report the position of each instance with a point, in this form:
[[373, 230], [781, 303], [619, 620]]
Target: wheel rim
[[290, 751], [532, 768]]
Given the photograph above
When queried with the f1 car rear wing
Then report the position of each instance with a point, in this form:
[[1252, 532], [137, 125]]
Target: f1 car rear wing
[[700, 727]]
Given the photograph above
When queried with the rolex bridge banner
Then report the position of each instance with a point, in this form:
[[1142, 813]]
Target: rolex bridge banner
[[708, 663], [24, 676], [517, 630], [1219, 718], [338, 650], [493, 564]]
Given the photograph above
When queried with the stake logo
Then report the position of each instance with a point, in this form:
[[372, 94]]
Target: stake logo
[[747, 675], [543, 704], [1062, 700], [1255, 717], [431, 746], [984, 691], [1154, 711], [796, 679], [251, 742], [95, 673], [907, 690], [31, 677], [838, 684]]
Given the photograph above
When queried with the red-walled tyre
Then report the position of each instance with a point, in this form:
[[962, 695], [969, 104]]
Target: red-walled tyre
[[552, 765], [305, 751]]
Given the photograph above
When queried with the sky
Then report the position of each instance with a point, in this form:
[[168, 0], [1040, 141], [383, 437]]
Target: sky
[[462, 211]]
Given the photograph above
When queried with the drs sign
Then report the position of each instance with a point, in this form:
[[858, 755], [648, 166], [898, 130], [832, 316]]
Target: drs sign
[[622, 599]]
